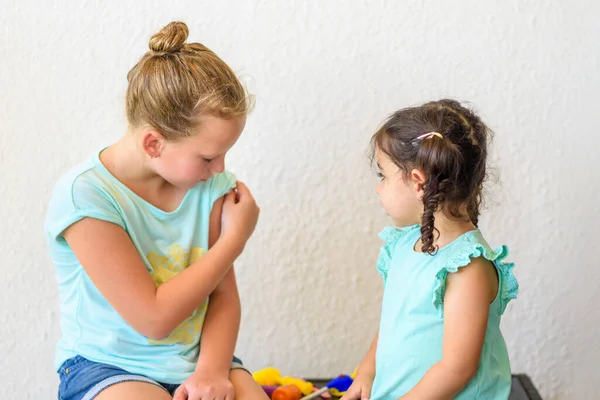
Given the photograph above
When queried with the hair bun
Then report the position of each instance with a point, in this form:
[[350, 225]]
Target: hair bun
[[170, 39]]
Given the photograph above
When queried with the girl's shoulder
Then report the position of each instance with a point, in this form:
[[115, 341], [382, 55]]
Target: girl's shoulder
[[461, 252]]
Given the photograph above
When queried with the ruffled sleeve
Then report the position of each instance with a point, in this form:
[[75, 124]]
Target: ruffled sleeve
[[391, 236], [508, 285]]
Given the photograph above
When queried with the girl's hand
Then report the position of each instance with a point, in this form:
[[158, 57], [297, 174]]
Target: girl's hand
[[360, 389], [240, 214], [205, 385]]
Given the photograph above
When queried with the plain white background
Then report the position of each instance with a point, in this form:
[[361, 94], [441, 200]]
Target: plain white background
[[325, 75]]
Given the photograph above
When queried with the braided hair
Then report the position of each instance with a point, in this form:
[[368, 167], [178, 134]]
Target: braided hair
[[448, 143]]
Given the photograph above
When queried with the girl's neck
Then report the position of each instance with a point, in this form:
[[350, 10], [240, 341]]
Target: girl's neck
[[128, 163], [449, 230]]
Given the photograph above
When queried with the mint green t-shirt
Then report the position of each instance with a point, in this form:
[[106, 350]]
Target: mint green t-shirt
[[167, 243], [412, 318]]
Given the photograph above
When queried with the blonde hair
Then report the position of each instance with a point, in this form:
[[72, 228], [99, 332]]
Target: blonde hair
[[176, 82]]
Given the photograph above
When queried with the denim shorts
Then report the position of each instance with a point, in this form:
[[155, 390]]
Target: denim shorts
[[82, 379]]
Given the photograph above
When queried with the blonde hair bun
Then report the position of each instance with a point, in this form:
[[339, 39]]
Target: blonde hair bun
[[170, 39]]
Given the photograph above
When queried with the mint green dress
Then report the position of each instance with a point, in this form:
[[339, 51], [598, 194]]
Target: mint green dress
[[412, 316]]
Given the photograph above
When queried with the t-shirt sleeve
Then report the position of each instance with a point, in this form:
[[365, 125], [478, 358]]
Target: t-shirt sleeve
[[74, 200], [221, 184]]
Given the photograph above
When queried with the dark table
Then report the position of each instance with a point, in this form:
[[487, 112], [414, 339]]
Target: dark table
[[522, 387]]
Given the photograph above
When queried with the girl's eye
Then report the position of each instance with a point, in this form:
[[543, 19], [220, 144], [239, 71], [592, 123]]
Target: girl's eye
[[380, 176], [208, 159]]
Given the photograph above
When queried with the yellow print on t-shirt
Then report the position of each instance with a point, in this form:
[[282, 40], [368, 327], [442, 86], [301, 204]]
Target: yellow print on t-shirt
[[165, 268]]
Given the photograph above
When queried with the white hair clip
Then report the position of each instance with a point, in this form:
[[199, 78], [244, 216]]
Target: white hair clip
[[430, 135]]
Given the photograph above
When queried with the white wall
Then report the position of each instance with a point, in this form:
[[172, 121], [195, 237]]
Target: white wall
[[325, 75]]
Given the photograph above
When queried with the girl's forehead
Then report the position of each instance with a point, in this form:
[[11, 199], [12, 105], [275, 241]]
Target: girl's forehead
[[215, 135], [381, 157]]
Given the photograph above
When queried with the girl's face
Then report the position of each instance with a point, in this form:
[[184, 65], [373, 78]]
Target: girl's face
[[400, 195], [187, 162]]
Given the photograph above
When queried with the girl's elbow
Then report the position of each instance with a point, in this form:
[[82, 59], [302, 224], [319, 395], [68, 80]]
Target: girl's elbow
[[468, 373], [154, 328], [156, 333], [463, 371]]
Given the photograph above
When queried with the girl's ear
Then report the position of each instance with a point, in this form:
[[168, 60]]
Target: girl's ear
[[152, 143], [418, 179]]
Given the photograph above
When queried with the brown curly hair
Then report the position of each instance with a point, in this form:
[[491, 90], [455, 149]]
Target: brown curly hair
[[454, 164]]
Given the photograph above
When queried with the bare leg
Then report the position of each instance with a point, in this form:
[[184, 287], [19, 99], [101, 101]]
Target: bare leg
[[245, 386], [134, 391]]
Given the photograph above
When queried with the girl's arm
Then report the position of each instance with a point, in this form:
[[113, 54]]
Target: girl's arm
[[222, 322], [363, 382], [469, 293], [113, 264], [366, 368]]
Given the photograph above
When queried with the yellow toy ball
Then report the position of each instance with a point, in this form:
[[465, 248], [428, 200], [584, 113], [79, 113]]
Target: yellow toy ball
[[268, 377]]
